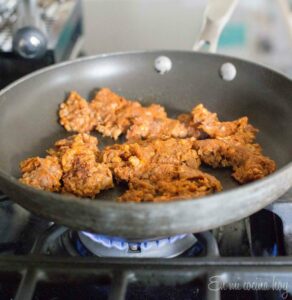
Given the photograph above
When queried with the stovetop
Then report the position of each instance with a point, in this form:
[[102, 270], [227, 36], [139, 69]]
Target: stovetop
[[249, 259]]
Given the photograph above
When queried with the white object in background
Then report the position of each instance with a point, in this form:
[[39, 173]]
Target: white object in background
[[287, 13], [216, 15]]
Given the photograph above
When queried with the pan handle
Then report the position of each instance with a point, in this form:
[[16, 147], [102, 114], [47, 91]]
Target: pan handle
[[216, 15]]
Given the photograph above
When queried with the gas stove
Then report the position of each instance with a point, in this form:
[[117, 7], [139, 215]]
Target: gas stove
[[249, 259]]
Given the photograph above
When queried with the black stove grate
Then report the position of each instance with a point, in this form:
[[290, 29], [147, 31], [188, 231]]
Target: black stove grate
[[118, 278], [3, 197]]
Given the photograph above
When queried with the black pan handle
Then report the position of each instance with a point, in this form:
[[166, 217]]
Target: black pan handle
[[216, 15]]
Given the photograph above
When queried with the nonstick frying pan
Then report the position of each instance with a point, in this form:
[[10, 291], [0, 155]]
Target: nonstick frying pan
[[29, 125]]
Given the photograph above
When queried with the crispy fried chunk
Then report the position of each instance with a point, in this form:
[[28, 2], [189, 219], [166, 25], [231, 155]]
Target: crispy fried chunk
[[151, 127], [191, 128], [132, 160], [76, 114], [42, 173], [209, 123], [115, 114], [112, 112], [180, 184], [74, 162], [247, 161], [80, 141], [84, 175], [203, 124], [86, 178]]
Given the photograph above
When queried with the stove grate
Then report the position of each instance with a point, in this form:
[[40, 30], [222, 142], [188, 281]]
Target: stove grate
[[118, 275]]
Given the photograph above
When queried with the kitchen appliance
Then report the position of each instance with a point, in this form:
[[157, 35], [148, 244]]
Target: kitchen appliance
[[35, 34]]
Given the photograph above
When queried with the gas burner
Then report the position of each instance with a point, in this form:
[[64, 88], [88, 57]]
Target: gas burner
[[91, 244], [61, 241], [106, 246]]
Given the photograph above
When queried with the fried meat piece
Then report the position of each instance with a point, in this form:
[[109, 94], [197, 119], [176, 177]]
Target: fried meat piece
[[108, 107], [181, 184], [133, 160], [106, 103], [159, 162], [82, 141], [247, 161], [86, 178], [191, 128], [115, 114], [209, 123], [152, 127], [73, 167], [203, 124], [42, 173], [84, 175], [76, 114]]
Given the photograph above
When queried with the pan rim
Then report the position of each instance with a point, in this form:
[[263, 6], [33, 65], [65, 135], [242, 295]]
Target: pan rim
[[234, 192]]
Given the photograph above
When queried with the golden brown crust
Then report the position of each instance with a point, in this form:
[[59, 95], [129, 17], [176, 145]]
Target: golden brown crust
[[42, 173], [108, 108], [132, 160], [209, 124], [191, 128], [151, 127], [79, 170], [246, 160], [86, 178], [76, 115], [182, 184], [83, 175], [115, 114], [82, 141]]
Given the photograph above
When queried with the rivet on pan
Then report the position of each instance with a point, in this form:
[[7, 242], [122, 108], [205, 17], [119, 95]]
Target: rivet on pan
[[162, 64], [227, 71]]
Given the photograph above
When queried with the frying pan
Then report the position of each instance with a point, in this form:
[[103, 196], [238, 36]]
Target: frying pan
[[29, 125]]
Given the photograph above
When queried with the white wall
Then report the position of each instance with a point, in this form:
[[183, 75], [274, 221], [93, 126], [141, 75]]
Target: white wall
[[119, 25], [123, 25]]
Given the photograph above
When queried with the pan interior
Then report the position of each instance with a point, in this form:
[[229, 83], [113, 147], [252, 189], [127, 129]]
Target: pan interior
[[28, 111]]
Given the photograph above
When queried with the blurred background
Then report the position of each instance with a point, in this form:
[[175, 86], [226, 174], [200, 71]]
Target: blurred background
[[259, 30]]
